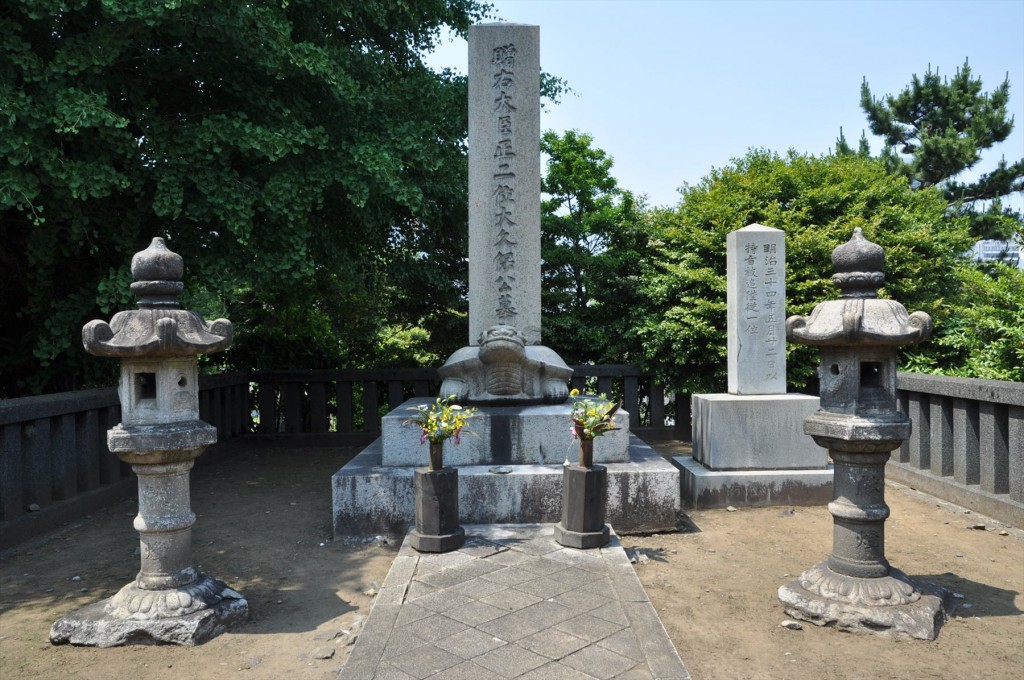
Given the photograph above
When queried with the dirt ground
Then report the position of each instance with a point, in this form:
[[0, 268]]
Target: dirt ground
[[264, 526]]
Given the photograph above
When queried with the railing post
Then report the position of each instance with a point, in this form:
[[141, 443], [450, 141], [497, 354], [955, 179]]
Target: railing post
[[657, 405], [89, 447], [10, 471], [1015, 433], [37, 469], [267, 402], [291, 395], [920, 444], [966, 466], [630, 395], [995, 463], [64, 460], [371, 418], [343, 392], [941, 435], [396, 394], [318, 407]]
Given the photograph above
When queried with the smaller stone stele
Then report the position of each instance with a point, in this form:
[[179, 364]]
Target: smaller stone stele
[[504, 369], [856, 589], [160, 435]]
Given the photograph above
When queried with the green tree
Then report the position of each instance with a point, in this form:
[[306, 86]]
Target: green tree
[[817, 201], [287, 150], [592, 243], [937, 128]]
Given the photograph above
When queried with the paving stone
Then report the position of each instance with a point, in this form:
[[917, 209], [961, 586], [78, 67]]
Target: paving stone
[[411, 613], [575, 576], [467, 670], [600, 662], [580, 602], [623, 642], [389, 672], [402, 640], [542, 566], [641, 672], [589, 627], [509, 576], [543, 587], [425, 661], [538, 546], [446, 578], [418, 589], [511, 599], [552, 643], [602, 587], [478, 588], [654, 641], [510, 558], [556, 671], [436, 627], [510, 661], [442, 600], [470, 643], [475, 613], [480, 548], [579, 558], [611, 611]]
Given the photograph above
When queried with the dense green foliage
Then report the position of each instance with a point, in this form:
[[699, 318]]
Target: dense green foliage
[[984, 336], [817, 201], [593, 241], [299, 156], [937, 128]]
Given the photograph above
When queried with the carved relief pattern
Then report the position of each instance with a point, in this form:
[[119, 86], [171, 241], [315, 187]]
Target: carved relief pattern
[[504, 183]]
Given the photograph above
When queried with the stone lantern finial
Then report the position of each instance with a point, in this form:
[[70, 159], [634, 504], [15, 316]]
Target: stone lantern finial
[[858, 264], [157, 272]]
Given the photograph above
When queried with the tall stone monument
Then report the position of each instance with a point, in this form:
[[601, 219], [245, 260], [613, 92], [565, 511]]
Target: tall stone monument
[[747, 447], [505, 362], [511, 469]]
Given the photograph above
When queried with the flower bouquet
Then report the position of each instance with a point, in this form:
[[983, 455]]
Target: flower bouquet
[[439, 422], [591, 417]]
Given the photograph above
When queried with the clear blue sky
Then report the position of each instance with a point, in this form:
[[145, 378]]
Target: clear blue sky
[[671, 89]]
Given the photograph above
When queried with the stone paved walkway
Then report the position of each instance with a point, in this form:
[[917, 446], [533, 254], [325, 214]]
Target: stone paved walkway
[[512, 603]]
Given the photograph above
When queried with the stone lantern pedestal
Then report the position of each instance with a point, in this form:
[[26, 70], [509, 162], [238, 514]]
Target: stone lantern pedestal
[[160, 435], [856, 588]]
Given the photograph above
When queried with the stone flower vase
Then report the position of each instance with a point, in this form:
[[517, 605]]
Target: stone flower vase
[[437, 505], [584, 496]]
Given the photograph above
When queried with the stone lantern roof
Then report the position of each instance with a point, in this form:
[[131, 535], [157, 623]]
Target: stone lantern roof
[[159, 328], [858, 317]]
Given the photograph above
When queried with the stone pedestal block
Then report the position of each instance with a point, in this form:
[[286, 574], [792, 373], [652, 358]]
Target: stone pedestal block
[[187, 615], [504, 435], [371, 498], [437, 511], [584, 496], [893, 605], [755, 432]]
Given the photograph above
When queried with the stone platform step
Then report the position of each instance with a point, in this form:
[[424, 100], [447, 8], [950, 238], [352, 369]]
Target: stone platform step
[[512, 603], [371, 498]]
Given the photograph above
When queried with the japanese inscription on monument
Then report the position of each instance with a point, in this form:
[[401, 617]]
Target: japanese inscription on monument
[[504, 62], [504, 185], [756, 270]]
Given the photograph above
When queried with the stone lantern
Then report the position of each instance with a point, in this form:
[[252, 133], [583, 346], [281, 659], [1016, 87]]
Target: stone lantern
[[860, 425], [160, 435]]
